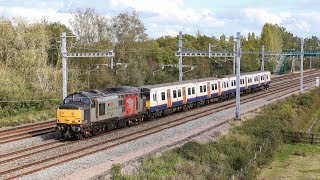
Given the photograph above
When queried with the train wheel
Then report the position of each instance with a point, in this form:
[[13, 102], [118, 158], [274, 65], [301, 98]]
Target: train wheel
[[78, 136]]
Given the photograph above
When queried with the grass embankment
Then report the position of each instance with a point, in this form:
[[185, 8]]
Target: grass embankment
[[316, 127], [235, 151], [26, 112], [299, 161]]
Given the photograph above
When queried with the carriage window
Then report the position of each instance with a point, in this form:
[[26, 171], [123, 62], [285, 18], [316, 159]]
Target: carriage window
[[179, 92], [174, 93], [155, 97], [227, 84], [163, 96], [193, 90], [216, 86], [200, 89], [204, 88], [212, 87], [189, 91], [102, 109]]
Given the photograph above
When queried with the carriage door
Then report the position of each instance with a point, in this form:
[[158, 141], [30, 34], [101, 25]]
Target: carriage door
[[208, 89], [265, 79], [184, 95], [169, 98], [246, 79], [219, 89], [259, 79]]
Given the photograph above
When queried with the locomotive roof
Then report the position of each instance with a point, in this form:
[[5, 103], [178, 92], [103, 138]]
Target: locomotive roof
[[247, 73], [111, 91], [195, 80], [178, 83]]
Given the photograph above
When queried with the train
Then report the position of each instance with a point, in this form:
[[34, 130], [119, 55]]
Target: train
[[88, 113]]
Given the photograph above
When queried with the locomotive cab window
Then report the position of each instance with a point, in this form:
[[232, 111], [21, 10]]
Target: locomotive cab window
[[102, 109], [163, 96]]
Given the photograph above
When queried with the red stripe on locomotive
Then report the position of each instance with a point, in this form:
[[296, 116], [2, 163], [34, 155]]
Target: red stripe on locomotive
[[130, 105]]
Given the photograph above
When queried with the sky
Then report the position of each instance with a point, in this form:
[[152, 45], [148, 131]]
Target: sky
[[168, 17]]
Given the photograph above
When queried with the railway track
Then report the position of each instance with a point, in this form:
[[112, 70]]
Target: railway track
[[97, 143], [41, 128]]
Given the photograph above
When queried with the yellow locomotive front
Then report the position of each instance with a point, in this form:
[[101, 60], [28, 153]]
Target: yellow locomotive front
[[71, 116]]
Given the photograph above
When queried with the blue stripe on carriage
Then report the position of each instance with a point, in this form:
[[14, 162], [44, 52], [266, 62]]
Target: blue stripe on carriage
[[177, 103], [202, 97], [160, 107], [214, 95], [191, 100]]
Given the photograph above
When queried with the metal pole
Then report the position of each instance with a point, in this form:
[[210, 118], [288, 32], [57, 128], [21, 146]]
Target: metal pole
[[180, 57], [310, 59], [262, 60], [293, 64], [234, 58], [64, 64], [238, 78], [301, 66], [111, 64], [209, 50]]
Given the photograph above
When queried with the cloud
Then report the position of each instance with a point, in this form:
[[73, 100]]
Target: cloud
[[170, 16], [35, 14]]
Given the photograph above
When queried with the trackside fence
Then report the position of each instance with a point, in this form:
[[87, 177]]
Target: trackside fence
[[301, 137]]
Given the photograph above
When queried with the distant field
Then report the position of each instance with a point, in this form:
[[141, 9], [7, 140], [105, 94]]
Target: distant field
[[294, 161]]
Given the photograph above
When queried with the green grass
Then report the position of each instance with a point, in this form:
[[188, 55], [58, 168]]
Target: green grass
[[27, 117], [300, 161], [316, 127]]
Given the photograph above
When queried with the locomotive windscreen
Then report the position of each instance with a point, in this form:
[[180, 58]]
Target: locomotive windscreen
[[77, 98]]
